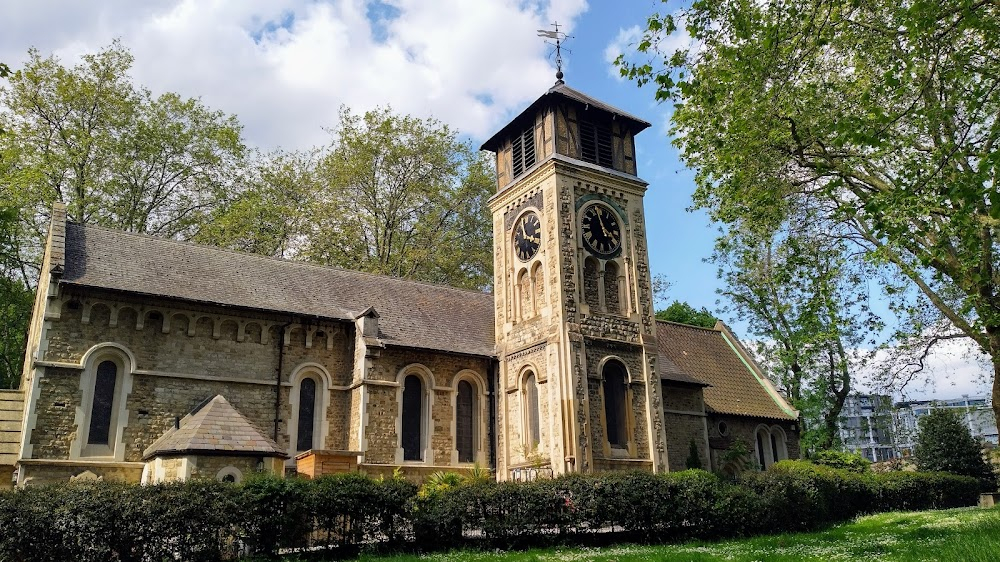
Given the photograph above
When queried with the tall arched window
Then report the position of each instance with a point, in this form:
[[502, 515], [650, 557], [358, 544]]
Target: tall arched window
[[102, 409], [412, 419], [614, 404], [465, 422], [532, 429], [306, 428]]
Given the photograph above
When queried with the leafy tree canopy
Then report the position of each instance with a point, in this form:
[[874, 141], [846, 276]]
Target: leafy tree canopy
[[684, 313], [879, 116], [391, 194], [945, 444], [112, 152]]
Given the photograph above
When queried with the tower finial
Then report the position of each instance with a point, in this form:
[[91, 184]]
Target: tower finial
[[559, 36]]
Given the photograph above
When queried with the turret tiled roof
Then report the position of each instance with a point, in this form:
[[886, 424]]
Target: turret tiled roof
[[215, 427]]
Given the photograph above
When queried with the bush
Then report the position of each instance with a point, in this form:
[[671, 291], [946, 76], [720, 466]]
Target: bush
[[206, 520], [851, 462], [945, 444]]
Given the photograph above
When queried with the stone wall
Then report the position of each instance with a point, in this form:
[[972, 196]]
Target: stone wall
[[382, 439], [203, 466], [741, 429], [184, 353]]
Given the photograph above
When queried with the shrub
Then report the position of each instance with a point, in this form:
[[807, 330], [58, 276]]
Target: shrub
[[852, 462], [206, 520], [945, 444]]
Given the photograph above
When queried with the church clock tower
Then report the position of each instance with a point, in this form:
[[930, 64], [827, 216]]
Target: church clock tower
[[575, 336]]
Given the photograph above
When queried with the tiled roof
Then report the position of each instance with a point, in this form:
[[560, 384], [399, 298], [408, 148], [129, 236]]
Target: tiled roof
[[669, 371], [412, 314], [737, 385], [215, 427], [562, 90]]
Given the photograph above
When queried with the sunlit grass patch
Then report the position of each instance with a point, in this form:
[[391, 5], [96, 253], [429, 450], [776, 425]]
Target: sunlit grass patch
[[956, 535]]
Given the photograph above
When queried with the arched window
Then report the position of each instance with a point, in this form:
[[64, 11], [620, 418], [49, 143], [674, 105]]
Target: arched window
[[465, 422], [305, 430], [105, 385], [770, 446], [532, 429], [538, 280], [612, 302], [524, 288], [102, 408], [614, 404], [412, 419]]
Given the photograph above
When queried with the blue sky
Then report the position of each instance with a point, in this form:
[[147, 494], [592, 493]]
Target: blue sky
[[285, 67]]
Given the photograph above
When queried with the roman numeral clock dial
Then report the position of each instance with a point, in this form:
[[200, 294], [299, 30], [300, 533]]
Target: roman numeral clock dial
[[602, 234], [527, 236]]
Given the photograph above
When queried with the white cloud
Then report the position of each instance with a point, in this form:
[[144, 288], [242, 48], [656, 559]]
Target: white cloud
[[286, 66], [624, 42]]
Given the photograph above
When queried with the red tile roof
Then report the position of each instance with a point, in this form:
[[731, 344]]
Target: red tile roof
[[713, 355]]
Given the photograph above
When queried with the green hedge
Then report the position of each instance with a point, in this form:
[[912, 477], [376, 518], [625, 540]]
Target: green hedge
[[207, 520]]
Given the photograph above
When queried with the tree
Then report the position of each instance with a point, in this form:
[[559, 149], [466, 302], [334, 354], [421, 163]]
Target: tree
[[806, 301], [880, 115], [392, 194], [684, 313], [16, 300], [945, 444], [270, 216], [403, 196], [114, 153]]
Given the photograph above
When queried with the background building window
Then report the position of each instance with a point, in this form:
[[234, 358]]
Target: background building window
[[465, 422], [412, 419]]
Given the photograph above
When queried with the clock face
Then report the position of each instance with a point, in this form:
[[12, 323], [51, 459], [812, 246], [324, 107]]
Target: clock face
[[601, 233], [527, 236]]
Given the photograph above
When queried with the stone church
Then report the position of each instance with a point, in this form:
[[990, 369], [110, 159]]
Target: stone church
[[154, 360]]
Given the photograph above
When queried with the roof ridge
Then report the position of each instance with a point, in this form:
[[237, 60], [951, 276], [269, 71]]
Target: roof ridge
[[683, 325], [279, 260]]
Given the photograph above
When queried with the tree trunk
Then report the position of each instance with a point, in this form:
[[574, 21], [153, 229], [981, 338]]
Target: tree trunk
[[994, 338]]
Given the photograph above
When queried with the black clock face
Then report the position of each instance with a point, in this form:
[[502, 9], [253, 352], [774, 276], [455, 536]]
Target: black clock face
[[527, 236], [601, 233]]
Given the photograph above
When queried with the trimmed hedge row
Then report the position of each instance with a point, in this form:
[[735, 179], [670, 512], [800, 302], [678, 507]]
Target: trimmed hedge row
[[206, 520]]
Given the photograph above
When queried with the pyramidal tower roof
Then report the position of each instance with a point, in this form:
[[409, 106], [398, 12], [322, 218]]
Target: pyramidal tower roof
[[215, 427], [560, 91]]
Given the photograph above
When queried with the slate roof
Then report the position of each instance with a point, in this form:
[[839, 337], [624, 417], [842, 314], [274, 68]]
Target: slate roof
[[737, 387], [412, 314], [214, 427], [562, 90]]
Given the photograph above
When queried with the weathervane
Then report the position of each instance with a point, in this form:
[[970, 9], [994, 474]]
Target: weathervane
[[559, 36]]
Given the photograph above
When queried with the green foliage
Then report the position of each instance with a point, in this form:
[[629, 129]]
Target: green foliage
[[877, 118], [392, 194], [684, 313], [694, 456], [851, 462], [204, 520], [945, 444], [114, 153], [15, 299]]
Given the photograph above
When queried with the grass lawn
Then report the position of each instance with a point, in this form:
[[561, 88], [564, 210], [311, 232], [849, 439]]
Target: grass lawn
[[959, 535]]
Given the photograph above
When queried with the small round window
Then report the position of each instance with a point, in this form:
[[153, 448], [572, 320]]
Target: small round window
[[229, 475], [723, 429]]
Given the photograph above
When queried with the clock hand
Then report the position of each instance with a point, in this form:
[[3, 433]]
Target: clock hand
[[601, 222]]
